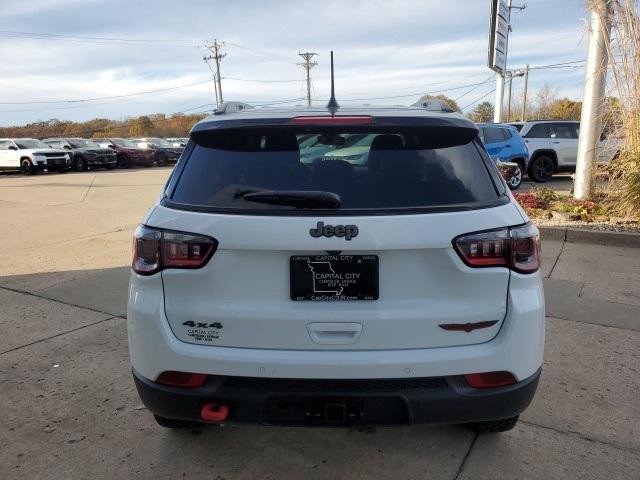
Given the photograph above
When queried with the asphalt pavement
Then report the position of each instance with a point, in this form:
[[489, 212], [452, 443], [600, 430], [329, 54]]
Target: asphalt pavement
[[70, 409]]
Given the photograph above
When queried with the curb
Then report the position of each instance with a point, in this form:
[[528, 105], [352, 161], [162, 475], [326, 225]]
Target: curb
[[577, 235]]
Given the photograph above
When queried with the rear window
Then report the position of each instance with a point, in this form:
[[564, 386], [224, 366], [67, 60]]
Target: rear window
[[368, 169], [493, 135]]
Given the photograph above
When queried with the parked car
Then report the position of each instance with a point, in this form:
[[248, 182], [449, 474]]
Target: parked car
[[504, 144], [178, 141], [30, 156], [402, 290], [553, 147], [128, 153], [163, 151], [85, 153]]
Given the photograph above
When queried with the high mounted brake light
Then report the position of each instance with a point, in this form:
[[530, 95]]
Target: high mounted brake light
[[334, 120], [155, 249], [517, 248]]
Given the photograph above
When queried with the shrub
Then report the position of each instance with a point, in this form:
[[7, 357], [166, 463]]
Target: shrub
[[529, 201]]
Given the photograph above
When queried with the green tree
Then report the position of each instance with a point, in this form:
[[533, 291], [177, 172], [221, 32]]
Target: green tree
[[482, 113]]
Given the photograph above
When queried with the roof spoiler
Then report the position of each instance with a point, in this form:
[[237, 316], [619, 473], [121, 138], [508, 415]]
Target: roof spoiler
[[231, 107]]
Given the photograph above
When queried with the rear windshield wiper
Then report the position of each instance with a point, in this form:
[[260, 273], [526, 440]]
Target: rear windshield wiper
[[295, 198]]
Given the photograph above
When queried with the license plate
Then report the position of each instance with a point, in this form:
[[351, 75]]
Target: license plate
[[334, 277]]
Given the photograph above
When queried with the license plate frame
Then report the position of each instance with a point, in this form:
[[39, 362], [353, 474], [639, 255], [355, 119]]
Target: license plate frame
[[342, 277]]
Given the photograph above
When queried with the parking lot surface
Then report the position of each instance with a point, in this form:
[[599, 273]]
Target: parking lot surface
[[70, 409]]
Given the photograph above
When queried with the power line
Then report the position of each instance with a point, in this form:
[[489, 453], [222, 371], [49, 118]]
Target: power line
[[417, 93], [259, 81], [85, 39], [473, 88], [477, 100], [262, 52], [84, 100]]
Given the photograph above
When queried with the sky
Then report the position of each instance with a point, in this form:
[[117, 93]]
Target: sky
[[61, 58]]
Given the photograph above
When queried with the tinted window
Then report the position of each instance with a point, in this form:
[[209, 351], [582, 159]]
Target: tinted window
[[493, 135], [5, 144], [563, 130], [381, 170], [506, 133], [540, 130]]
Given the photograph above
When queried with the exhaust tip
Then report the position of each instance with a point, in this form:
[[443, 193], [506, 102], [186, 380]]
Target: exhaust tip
[[213, 412]]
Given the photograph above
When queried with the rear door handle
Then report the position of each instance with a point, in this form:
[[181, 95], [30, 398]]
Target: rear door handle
[[334, 333]]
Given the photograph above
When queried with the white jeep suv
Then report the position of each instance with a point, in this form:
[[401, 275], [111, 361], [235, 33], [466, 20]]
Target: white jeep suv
[[276, 287], [30, 156], [553, 147]]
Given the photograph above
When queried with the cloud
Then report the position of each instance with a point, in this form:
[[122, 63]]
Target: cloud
[[383, 49]]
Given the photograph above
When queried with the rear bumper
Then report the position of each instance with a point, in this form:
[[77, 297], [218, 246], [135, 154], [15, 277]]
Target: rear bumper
[[338, 402]]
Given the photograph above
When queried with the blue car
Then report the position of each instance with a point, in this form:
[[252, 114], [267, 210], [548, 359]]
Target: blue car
[[504, 143]]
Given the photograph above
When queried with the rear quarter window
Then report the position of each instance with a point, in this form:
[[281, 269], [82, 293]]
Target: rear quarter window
[[371, 170]]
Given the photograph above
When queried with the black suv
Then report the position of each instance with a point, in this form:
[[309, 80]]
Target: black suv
[[86, 153], [163, 151]]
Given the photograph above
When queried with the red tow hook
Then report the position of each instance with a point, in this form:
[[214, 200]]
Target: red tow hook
[[213, 412]]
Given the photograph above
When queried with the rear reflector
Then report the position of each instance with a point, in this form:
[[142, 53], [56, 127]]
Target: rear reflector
[[490, 379], [335, 120], [155, 249], [182, 379], [517, 248]]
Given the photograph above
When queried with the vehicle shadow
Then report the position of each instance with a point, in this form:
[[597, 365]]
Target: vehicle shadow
[[68, 387]]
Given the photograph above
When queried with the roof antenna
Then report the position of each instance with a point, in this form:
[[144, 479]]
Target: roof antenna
[[332, 106]]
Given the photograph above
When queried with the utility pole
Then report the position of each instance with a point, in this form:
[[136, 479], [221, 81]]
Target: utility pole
[[593, 98], [215, 48], [510, 74], [308, 65], [524, 94]]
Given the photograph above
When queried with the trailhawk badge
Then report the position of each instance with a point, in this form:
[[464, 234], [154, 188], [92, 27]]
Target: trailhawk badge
[[346, 231]]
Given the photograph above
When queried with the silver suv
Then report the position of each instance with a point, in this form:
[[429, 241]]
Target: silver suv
[[553, 147]]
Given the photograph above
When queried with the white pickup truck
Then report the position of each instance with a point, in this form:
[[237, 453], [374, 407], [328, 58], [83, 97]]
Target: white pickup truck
[[30, 156], [553, 147]]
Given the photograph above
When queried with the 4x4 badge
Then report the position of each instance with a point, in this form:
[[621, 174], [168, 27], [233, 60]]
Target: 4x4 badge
[[346, 231]]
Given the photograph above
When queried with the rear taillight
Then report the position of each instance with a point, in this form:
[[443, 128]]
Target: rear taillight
[[155, 249], [517, 248]]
